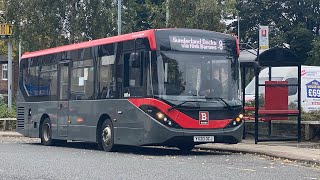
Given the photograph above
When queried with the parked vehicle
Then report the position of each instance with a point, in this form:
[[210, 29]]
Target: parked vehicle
[[310, 85]]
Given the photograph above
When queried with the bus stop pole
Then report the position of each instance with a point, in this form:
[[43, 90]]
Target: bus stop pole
[[269, 122], [243, 78], [19, 51], [299, 103], [256, 105], [9, 75]]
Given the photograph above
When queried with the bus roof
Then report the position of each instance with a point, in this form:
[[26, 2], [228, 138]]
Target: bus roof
[[150, 34], [125, 37]]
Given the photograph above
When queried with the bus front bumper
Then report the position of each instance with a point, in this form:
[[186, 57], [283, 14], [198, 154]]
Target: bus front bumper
[[172, 136]]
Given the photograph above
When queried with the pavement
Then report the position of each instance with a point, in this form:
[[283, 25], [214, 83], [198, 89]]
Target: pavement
[[304, 152]]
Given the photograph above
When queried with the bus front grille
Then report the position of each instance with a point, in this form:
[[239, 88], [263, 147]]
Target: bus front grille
[[20, 118]]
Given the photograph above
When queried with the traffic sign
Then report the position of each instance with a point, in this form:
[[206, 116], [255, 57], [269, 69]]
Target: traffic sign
[[263, 37], [6, 30]]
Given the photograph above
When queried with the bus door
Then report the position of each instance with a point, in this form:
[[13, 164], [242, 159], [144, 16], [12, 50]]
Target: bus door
[[63, 100]]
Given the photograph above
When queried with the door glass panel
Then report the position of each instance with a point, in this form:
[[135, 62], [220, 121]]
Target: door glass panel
[[64, 82]]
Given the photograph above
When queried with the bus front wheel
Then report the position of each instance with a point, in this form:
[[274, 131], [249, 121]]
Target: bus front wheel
[[186, 147], [107, 136], [46, 133]]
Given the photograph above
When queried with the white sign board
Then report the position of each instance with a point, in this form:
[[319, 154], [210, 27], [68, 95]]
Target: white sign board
[[263, 37]]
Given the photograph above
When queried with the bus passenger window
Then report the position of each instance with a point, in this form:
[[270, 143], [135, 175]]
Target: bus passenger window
[[82, 80], [133, 76], [106, 78], [48, 81], [31, 80]]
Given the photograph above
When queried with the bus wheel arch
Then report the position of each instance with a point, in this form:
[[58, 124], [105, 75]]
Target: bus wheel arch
[[105, 133]]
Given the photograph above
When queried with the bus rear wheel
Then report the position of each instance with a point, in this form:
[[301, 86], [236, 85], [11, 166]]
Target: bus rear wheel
[[107, 136], [46, 133]]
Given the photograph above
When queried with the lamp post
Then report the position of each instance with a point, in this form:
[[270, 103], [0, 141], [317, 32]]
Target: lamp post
[[167, 13], [238, 26], [119, 17]]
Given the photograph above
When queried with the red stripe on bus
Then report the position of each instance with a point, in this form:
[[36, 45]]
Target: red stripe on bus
[[237, 44], [180, 118], [125, 37]]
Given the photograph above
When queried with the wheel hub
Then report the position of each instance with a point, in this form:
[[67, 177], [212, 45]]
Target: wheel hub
[[46, 132], [106, 135]]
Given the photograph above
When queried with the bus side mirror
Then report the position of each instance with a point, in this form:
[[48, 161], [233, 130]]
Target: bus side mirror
[[256, 68], [292, 90]]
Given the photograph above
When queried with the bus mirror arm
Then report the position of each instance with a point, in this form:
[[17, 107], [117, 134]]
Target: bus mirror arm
[[126, 92]]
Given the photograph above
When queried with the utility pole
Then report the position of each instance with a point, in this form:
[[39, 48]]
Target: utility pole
[[167, 13], [6, 30], [9, 75], [119, 17]]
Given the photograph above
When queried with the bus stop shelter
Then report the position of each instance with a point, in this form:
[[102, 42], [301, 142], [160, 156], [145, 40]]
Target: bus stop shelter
[[276, 92]]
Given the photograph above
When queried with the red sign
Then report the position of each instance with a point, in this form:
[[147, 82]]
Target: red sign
[[204, 117], [264, 33]]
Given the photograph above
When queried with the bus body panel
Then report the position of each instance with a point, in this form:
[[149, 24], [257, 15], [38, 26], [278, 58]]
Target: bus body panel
[[132, 125], [37, 110]]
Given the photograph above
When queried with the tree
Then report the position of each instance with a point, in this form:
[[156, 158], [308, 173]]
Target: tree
[[300, 39], [38, 23], [143, 14], [199, 14], [293, 22], [43, 24], [314, 54], [282, 14]]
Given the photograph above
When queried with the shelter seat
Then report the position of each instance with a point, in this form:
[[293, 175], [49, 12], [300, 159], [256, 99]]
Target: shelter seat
[[267, 113]]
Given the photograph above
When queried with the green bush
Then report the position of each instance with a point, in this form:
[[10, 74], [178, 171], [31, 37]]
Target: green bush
[[4, 111], [310, 116], [252, 102], [305, 116]]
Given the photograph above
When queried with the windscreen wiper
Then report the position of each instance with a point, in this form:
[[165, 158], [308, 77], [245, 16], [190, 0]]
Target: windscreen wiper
[[224, 102], [178, 105]]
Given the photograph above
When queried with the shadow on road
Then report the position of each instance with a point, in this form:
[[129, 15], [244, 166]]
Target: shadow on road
[[139, 150]]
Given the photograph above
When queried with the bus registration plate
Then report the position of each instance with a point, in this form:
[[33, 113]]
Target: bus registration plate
[[203, 139]]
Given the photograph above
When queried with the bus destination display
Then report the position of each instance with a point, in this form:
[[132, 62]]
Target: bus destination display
[[196, 44]]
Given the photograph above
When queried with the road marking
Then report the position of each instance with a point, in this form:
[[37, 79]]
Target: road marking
[[310, 178], [251, 170]]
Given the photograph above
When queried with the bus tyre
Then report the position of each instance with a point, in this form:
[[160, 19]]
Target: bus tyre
[[185, 148], [46, 133], [107, 136]]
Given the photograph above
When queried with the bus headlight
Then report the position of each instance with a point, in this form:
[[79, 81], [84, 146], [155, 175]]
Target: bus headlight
[[240, 116], [235, 122], [238, 120], [159, 116]]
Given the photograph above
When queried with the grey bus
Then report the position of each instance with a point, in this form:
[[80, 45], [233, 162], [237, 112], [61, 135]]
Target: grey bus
[[171, 87]]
